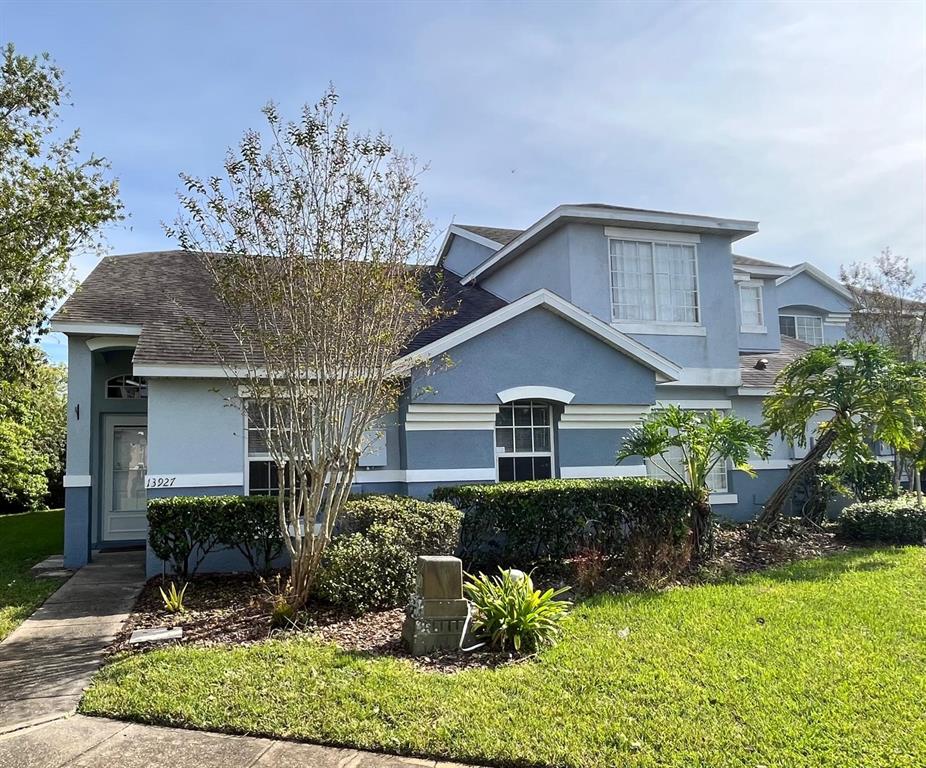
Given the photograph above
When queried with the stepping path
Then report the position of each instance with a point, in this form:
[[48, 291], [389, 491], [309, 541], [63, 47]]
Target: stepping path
[[92, 742], [46, 663]]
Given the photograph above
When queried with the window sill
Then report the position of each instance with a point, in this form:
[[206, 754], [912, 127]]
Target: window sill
[[753, 329], [660, 329]]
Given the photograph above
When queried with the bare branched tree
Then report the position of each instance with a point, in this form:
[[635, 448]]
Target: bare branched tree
[[311, 238], [891, 305]]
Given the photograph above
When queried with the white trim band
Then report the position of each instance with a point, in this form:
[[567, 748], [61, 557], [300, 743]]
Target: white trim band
[[628, 470], [96, 329], [697, 405], [723, 498], [653, 235], [536, 393], [429, 417], [659, 329], [477, 474], [602, 416], [77, 481], [109, 342]]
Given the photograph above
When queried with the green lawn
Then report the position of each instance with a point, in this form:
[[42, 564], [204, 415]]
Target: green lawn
[[822, 663], [25, 540]]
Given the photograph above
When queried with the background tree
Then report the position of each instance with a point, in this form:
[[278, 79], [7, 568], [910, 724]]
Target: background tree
[[321, 297], [33, 423], [687, 446], [863, 392], [891, 305], [51, 204]]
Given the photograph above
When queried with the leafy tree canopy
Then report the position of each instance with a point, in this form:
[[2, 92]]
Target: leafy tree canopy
[[52, 203]]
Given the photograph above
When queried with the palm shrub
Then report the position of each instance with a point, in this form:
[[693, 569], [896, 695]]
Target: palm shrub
[[688, 445], [510, 612]]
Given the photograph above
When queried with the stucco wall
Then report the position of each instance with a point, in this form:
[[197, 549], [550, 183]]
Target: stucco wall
[[769, 341], [464, 255], [805, 290], [537, 348], [546, 265]]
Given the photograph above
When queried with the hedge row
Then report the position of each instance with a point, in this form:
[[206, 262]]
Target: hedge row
[[526, 524], [370, 562], [898, 521]]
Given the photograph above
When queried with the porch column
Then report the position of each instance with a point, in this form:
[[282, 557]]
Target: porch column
[[78, 481]]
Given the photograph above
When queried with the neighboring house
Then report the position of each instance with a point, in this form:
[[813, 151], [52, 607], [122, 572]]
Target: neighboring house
[[566, 335]]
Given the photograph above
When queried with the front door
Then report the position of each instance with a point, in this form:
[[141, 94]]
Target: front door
[[125, 462]]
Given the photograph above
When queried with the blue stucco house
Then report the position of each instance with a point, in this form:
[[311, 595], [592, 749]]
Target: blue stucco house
[[566, 334]]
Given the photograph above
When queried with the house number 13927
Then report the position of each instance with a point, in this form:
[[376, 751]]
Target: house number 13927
[[160, 482]]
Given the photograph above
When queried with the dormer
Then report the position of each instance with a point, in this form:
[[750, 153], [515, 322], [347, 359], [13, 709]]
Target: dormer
[[812, 306]]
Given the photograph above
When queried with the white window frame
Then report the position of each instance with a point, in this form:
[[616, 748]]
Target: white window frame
[[759, 327], [515, 454], [816, 318], [248, 456], [720, 471], [653, 239]]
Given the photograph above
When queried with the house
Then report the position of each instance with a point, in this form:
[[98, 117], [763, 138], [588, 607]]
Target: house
[[566, 334]]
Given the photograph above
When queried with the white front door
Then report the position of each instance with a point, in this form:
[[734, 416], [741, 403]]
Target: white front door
[[125, 463]]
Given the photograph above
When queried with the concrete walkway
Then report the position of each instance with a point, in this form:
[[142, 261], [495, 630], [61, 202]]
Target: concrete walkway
[[46, 663], [91, 742]]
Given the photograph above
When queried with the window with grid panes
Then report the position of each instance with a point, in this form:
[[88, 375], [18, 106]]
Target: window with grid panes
[[524, 441]]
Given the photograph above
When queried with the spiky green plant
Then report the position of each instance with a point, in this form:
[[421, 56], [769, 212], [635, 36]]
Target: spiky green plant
[[173, 599], [510, 612]]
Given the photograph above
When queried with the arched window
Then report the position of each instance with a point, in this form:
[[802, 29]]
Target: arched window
[[524, 441], [127, 388]]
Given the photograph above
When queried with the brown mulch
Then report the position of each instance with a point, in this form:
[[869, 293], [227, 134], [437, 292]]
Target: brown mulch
[[235, 609]]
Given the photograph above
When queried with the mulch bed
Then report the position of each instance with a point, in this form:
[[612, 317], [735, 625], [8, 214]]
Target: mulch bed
[[235, 609]]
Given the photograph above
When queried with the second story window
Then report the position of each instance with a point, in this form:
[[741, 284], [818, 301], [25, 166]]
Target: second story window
[[751, 315], [653, 281], [127, 388], [806, 328]]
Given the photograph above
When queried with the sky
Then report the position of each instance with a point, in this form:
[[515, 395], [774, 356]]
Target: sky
[[808, 117]]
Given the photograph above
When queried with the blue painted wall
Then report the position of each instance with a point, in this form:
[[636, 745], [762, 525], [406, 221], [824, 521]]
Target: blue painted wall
[[537, 348], [464, 255], [770, 341], [803, 289]]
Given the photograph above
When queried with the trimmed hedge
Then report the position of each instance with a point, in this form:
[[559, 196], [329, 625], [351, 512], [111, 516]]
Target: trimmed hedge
[[526, 524], [184, 529], [370, 563], [897, 521]]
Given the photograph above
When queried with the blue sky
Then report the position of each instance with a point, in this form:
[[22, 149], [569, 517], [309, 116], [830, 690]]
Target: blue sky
[[809, 117]]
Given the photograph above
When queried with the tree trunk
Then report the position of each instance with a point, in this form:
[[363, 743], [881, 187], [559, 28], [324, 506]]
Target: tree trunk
[[702, 532], [771, 512], [918, 486]]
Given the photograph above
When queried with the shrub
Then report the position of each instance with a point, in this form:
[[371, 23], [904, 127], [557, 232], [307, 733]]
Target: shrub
[[530, 523], [898, 521], [184, 529], [370, 564], [509, 611], [867, 481]]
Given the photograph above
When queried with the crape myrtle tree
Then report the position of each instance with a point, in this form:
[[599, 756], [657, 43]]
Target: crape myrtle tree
[[312, 236], [862, 392], [52, 204], [687, 446]]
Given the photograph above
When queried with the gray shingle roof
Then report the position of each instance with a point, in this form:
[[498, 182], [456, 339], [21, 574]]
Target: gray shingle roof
[[498, 234], [791, 349], [168, 293], [748, 261]]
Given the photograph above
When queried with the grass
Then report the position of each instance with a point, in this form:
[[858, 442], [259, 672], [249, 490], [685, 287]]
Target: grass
[[822, 663], [26, 539]]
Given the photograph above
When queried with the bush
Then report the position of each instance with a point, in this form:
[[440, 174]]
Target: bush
[[636, 520], [509, 611], [184, 529], [370, 564], [897, 521]]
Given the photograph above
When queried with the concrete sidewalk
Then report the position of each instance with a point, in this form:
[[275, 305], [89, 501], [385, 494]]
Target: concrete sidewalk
[[90, 742], [46, 663]]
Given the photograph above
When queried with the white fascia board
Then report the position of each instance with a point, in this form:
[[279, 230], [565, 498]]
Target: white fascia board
[[707, 377], [755, 391], [96, 329], [456, 231], [637, 218], [181, 371], [758, 271], [559, 306], [820, 276]]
